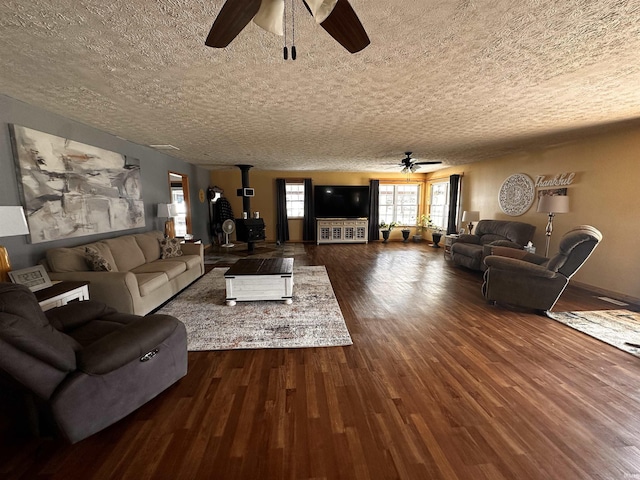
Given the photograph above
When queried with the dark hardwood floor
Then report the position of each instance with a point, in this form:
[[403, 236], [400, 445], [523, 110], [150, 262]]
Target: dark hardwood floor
[[437, 385]]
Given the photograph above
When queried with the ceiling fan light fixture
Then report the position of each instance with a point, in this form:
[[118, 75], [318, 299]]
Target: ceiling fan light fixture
[[270, 16], [321, 9]]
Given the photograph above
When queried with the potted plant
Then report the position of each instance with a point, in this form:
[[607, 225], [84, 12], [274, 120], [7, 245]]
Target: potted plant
[[436, 233], [420, 226], [386, 228], [405, 234]]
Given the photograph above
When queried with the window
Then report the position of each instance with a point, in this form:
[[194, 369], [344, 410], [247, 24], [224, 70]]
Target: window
[[180, 220], [439, 204], [399, 203], [295, 200]]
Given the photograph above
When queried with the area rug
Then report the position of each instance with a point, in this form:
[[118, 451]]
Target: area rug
[[620, 328], [313, 319]]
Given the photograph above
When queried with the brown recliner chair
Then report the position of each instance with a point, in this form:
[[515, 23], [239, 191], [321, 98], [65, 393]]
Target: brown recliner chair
[[527, 280], [87, 365]]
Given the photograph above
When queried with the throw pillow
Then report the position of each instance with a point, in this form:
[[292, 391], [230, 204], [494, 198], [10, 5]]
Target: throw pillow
[[96, 261], [170, 247]]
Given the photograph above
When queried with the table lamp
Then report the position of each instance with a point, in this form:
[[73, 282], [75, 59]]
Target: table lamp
[[470, 216], [13, 223], [168, 211], [552, 204]]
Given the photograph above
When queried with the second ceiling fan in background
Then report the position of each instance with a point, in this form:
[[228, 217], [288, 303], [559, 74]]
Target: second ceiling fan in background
[[411, 164], [337, 17]]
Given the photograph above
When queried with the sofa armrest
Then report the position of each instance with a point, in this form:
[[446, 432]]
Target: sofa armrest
[[522, 267], [467, 238], [127, 344], [117, 289], [192, 249], [517, 253], [75, 314]]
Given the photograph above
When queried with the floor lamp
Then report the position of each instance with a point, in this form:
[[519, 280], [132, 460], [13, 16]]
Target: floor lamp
[[552, 204], [470, 216], [13, 223], [168, 211]]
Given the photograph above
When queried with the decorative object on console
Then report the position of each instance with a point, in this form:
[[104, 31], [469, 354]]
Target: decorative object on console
[[13, 223], [71, 189], [552, 204], [470, 216], [168, 211], [516, 194]]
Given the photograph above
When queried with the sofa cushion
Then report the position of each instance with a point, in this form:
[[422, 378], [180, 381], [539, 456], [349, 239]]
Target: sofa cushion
[[64, 259], [170, 268], [170, 247], [148, 282], [192, 261], [149, 243], [126, 252]]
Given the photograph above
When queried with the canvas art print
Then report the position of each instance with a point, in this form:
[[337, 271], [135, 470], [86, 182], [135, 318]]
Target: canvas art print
[[71, 189]]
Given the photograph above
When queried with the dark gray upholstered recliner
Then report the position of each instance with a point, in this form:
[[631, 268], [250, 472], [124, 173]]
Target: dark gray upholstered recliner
[[527, 280], [469, 250], [88, 365]]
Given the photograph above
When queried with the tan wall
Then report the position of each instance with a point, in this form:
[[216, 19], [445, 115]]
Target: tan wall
[[265, 201], [605, 193]]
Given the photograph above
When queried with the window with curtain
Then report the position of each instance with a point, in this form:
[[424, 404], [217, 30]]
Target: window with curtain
[[399, 203], [295, 199], [439, 204]]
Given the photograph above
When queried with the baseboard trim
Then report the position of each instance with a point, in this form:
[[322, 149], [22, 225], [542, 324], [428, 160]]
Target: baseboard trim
[[607, 293]]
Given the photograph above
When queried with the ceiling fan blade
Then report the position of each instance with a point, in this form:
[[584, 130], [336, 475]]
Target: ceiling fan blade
[[233, 17], [426, 163], [270, 16], [344, 26]]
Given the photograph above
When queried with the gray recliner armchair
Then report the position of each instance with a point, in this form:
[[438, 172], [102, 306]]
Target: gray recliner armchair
[[87, 365], [470, 250], [527, 280]]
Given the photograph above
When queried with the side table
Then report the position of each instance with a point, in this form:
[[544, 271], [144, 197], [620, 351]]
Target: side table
[[449, 240], [62, 293]]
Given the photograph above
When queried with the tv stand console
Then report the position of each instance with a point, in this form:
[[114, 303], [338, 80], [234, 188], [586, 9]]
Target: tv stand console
[[342, 230]]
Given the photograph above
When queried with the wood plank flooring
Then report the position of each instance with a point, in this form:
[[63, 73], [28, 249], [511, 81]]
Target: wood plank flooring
[[437, 385]]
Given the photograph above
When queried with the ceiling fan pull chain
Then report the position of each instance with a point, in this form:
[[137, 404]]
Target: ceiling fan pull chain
[[284, 49], [293, 28]]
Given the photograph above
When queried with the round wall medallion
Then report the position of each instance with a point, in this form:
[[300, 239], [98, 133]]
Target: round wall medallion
[[516, 194], [201, 195]]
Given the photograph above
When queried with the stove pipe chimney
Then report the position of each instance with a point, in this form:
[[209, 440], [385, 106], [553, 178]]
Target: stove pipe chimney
[[246, 201]]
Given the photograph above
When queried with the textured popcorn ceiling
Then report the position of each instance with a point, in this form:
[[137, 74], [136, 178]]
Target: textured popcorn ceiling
[[456, 81]]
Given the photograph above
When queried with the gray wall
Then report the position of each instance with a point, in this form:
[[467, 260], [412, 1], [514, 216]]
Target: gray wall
[[154, 168]]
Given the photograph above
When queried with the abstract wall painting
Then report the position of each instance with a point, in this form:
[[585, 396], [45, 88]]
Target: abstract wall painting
[[71, 189]]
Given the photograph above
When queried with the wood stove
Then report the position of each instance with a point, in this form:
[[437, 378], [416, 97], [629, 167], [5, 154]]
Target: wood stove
[[249, 230]]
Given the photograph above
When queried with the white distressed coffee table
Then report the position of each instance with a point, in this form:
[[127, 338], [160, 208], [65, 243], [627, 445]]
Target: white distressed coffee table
[[251, 279]]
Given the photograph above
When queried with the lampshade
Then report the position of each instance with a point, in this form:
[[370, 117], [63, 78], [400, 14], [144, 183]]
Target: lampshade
[[166, 210], [470, 216], [12, 222], [553, 204]]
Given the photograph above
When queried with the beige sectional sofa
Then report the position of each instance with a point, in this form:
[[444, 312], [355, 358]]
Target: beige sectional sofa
[[139, 280]]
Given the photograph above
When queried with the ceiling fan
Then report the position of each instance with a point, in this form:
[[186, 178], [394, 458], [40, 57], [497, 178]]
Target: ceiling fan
[[411, 165], [337, 17]]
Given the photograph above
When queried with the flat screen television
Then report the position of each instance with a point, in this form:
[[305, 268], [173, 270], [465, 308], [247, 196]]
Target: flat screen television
[[341, 201]]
